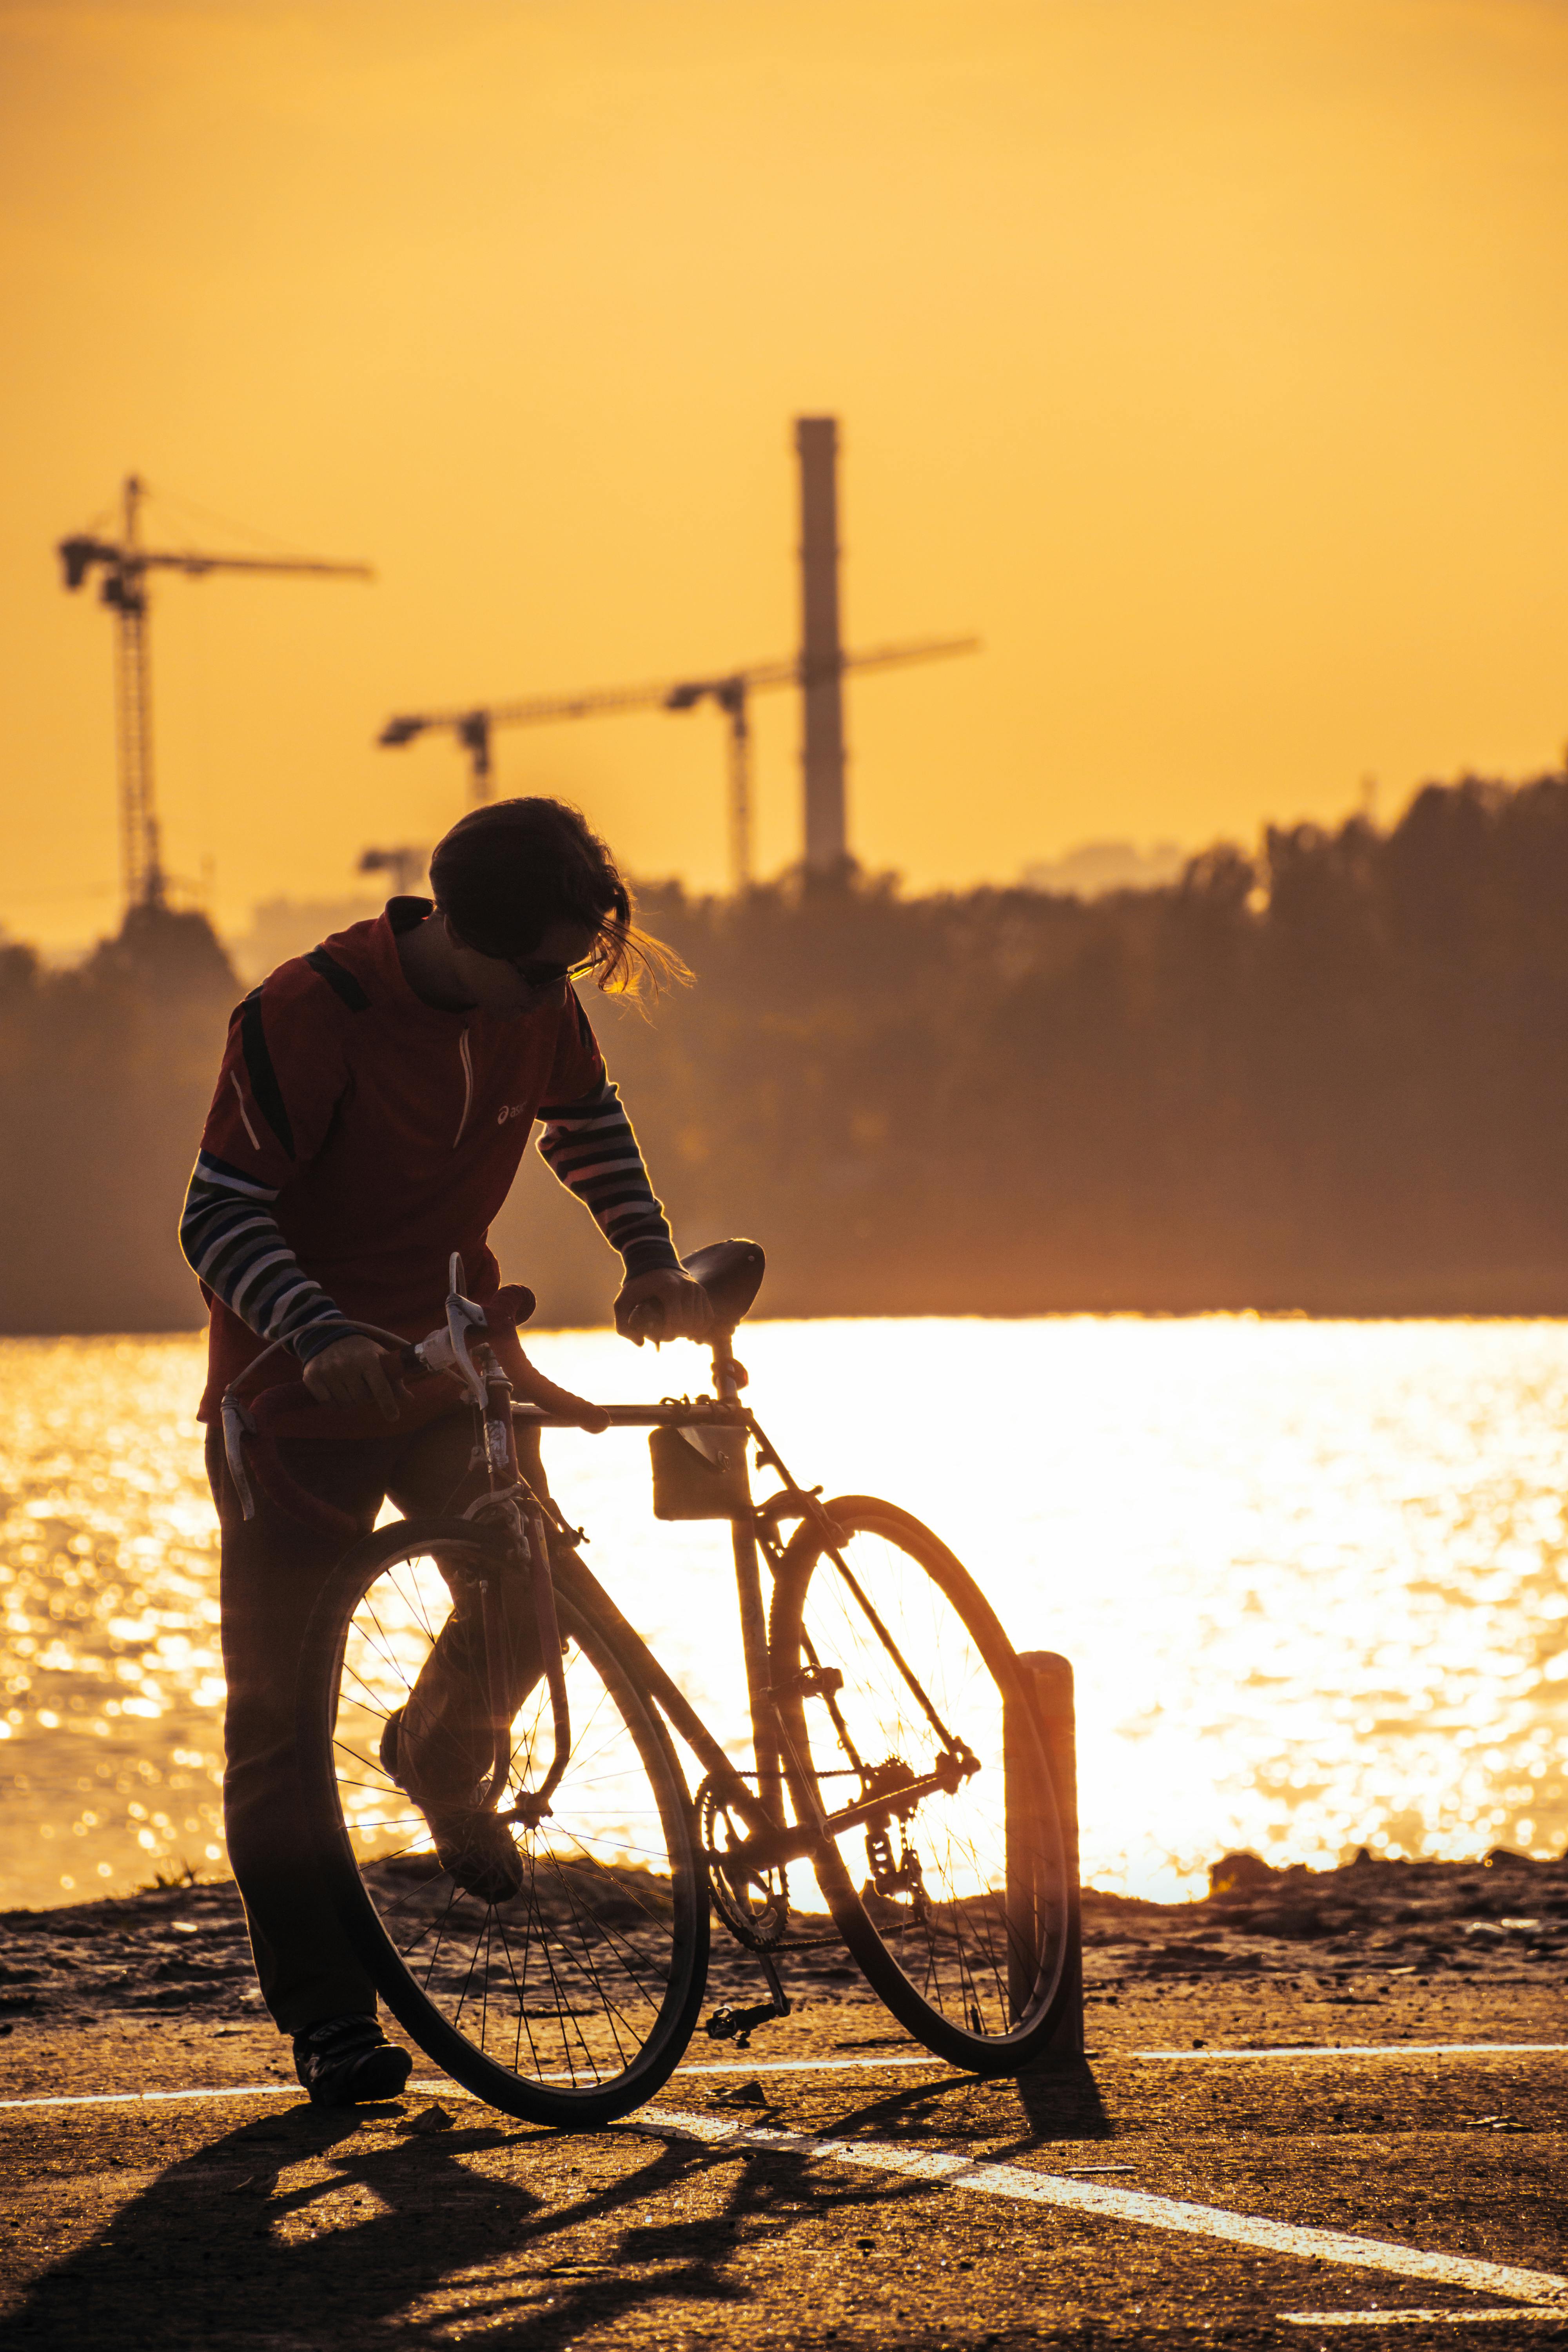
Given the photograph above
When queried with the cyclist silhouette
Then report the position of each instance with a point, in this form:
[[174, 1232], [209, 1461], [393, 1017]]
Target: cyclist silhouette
[[371, 1112]]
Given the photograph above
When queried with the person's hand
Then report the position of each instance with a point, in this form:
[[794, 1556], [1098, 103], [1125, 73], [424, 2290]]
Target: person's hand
[[356, 1371], [673, 1304]]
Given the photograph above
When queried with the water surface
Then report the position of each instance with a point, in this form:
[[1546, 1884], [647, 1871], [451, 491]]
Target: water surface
[[1311, 1575]]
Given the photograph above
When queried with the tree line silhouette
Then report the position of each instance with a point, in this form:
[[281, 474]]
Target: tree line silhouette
[[1330, 1077]]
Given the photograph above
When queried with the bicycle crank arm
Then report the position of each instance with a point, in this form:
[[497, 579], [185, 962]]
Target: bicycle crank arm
[[738, 2025], [796, 1842]]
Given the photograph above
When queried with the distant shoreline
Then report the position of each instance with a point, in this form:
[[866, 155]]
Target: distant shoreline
[[1501, 1309]]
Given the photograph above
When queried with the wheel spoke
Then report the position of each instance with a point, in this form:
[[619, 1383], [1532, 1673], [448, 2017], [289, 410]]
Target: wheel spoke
[[589, 1977], [891, 1610]]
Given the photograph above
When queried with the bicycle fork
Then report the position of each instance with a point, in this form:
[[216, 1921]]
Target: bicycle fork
[[511, 1500]]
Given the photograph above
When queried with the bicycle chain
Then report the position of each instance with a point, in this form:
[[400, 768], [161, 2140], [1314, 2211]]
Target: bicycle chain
[[760, 1930]]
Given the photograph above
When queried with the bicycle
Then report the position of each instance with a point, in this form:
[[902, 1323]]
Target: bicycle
[[889, 1718]]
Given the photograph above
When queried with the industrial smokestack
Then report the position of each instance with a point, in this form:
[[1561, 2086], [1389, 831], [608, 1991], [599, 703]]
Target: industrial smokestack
[[822, 655]]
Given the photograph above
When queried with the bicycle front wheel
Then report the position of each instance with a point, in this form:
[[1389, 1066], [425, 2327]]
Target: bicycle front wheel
[[569, 2002], [889, 1667]]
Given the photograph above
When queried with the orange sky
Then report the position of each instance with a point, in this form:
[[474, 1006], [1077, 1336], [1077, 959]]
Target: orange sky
[[1209, 358]]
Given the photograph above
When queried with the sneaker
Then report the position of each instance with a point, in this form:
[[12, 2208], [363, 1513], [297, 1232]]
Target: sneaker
[[472, 1846], [391, 1753], [345, 2062], [476, 1848]]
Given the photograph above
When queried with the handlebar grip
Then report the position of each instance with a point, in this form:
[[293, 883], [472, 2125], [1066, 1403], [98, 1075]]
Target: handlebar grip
[[530, 1384], [513, 1303]]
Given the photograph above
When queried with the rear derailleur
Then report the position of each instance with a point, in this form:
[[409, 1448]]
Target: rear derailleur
[[891, 1879]]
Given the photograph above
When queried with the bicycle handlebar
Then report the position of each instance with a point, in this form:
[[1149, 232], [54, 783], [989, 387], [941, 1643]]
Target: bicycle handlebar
[[729, 1273], [287, 1409]]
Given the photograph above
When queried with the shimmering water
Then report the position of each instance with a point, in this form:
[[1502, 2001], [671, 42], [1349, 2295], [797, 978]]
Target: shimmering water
[[1311, 1575]]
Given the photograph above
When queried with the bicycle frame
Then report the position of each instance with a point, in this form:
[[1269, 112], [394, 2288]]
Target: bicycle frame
[[772, 1840], [762, 1809], [511, 1505]]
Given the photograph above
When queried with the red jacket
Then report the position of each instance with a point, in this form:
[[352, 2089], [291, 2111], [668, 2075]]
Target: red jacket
[[388, 1131]]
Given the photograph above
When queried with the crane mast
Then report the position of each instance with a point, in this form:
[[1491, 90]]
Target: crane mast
[[124, 564], [125, 589], [730, 695]]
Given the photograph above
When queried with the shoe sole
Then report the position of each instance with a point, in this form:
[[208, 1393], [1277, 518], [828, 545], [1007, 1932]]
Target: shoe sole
[[379, 2074]]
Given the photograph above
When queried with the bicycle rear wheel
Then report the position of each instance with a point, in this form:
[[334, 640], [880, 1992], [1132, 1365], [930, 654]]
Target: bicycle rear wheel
[[955, 1906], [571, 2002]]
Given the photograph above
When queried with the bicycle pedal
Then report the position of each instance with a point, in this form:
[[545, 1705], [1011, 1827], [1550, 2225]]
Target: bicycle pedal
[[738, 2025]]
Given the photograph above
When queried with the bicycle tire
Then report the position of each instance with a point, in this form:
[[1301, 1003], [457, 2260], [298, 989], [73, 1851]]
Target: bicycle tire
[[590, 1979], [969, 1952]]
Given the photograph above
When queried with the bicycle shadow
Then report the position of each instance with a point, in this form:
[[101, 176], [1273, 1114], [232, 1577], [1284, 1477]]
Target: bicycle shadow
[[405, 2237], [1059, 2098]]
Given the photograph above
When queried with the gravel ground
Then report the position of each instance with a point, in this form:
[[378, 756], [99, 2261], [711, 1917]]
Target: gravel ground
[[256, 2222], [1412, 1939]]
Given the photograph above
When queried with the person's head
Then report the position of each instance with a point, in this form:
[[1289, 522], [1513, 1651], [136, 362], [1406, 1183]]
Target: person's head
[[527, 884]]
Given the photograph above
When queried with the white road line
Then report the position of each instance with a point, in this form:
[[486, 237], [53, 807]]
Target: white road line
[[166, 2099], [1357, 2049], [1448, 2317], [835, 2066], [817, 2066], [941, 2166], [447, 2089], [1195, 2057]]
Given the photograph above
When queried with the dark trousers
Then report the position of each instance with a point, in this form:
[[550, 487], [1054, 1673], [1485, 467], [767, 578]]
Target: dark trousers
[[273, 1569]]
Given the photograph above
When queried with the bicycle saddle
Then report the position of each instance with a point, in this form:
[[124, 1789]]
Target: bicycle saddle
[[732, 1274]]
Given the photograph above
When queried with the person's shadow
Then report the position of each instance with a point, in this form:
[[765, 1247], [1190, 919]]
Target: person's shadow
[[404, 2236]]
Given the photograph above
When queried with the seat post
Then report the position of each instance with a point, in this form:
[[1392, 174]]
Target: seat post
[[728, 1380], [729, 1377]]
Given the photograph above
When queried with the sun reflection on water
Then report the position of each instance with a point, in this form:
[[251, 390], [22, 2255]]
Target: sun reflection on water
[[1310, 1575], [110, 1681]]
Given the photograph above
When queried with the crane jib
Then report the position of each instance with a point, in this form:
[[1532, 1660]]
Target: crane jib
[[728, 691], [125, 563]]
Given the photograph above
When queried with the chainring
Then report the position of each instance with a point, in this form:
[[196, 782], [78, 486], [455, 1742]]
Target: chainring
[[757, 1913]]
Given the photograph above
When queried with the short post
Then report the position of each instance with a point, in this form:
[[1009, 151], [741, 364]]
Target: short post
[[1049, 1678]]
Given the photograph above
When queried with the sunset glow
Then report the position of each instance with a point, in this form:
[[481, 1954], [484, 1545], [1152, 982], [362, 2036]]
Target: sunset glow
[[1204, 357]]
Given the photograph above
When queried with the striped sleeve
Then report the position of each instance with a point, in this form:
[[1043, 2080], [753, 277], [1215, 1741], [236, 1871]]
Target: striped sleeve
[[591, 1148], [232, 1243]]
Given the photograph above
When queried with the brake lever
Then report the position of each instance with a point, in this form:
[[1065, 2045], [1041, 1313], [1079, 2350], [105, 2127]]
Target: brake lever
[[237, 1424], [450, 1351]]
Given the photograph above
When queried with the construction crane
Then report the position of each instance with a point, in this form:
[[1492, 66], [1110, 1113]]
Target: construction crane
[[406, 865], [729, 692], [125, 563]]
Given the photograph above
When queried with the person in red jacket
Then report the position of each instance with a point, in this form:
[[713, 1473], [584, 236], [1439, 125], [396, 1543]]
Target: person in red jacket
[[371, 1109]]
